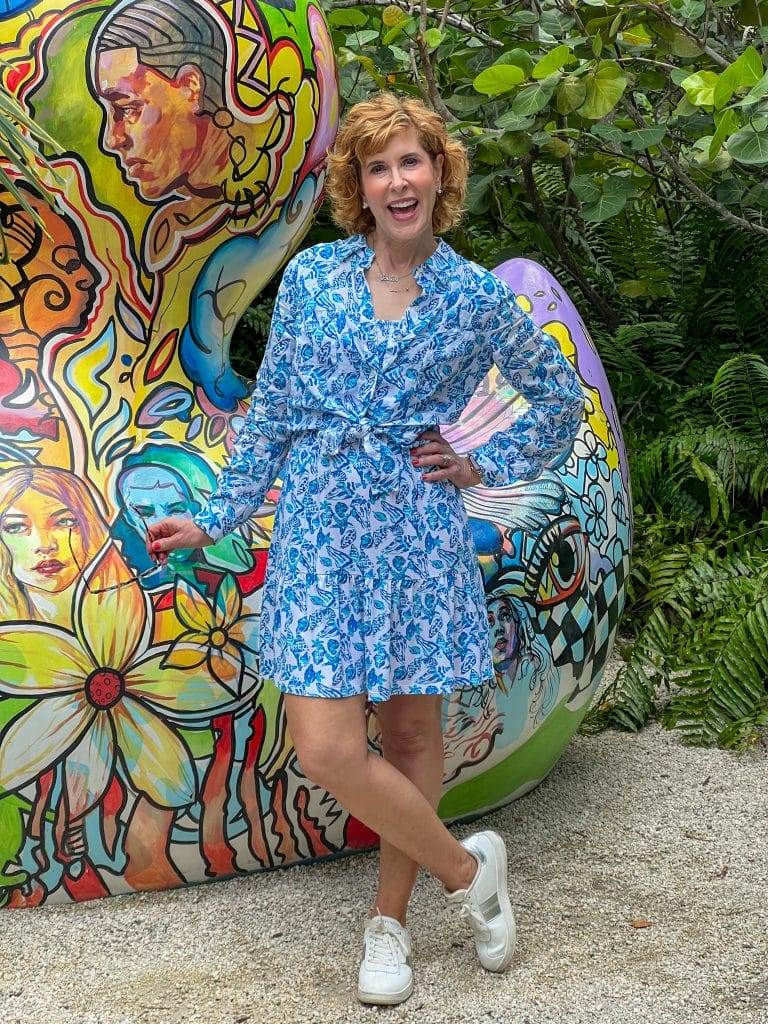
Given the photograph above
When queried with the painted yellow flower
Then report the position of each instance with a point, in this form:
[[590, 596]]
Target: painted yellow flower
[[215, 634], [105, 696]]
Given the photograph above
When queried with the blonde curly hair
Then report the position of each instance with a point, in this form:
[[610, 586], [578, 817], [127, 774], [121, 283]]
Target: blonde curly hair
[[367, 128]]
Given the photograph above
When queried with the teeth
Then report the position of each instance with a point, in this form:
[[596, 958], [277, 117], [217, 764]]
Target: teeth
[[404, 205]]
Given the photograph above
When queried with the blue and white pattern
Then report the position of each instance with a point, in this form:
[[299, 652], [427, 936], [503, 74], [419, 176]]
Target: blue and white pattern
[[373, 584]]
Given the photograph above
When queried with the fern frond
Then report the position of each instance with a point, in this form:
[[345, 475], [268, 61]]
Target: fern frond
[[729, 682]]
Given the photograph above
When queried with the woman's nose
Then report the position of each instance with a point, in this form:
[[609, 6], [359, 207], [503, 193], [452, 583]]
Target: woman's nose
[[397, 179], [44, 541]]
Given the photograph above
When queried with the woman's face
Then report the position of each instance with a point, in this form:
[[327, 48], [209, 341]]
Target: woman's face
[[399, 183], [43, 538]]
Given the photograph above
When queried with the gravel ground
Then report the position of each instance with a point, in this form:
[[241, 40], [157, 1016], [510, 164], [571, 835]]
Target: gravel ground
[[625, 829]]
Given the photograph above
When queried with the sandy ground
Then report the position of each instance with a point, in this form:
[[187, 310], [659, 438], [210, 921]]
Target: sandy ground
[[625, 829]]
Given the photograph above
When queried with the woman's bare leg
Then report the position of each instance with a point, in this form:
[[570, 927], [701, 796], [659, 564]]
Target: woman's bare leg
[[330, 738], [412, 741]]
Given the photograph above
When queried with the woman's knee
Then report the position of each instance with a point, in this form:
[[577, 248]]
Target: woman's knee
[[411, 731], [329, 762], [329, 738]]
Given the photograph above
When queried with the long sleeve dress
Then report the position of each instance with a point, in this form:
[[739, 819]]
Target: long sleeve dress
[[373, 584]]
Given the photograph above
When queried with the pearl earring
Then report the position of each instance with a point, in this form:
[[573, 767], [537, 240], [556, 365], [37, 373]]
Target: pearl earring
[[365, 205], [439, 190]]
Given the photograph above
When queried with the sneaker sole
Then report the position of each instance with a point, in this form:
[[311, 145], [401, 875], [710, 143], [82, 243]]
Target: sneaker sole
[[504, 902], [385, 998]]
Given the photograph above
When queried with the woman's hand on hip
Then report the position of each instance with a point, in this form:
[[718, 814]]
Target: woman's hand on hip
[[449, 464], [172, 533]]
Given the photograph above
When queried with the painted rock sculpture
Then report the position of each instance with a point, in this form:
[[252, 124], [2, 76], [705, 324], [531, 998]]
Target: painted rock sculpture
[[139, 745]]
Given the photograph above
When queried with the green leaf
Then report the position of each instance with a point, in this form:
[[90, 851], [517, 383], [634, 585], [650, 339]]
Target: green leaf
[[552, 62], [363, 38], [511, 121], [519, 57], [571, 93], [347, 19], [700, 88], [726, 123], [634, 289], [557, 147], [636, 35], [700, 152], [393, 15], [398, 29], [756, 93], [605, 87], [644, 138], [749, 146], [585, 188], [534, 98], [752, 66], [603, 202], [515, 143], [498, 78], [683, 46], [433, 37], [745, 71]]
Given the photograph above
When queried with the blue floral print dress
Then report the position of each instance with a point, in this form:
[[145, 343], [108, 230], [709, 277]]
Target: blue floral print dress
[[373, 584]]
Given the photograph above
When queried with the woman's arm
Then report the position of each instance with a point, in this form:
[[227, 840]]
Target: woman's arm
[[261, 444], [534, 365]]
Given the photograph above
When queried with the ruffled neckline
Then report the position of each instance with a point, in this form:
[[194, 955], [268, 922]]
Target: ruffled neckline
[[426, 274]]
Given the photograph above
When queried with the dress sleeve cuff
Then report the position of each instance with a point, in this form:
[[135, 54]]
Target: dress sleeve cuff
[[209, 523], [491, 475]]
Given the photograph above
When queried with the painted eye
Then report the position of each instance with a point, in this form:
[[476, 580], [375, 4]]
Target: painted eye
[[67, 522], [13, 528], [557, 564]]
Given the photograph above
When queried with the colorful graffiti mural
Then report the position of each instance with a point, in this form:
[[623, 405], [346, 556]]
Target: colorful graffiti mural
[[140, 747]]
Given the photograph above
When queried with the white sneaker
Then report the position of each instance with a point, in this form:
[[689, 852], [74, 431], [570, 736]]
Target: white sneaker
[[385, 972], [485, 904]]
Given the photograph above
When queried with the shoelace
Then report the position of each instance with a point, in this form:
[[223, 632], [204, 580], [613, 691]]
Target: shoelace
[[476, 920], [382, 942]]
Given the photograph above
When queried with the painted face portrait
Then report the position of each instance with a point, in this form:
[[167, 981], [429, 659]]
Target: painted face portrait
[[47, 284], [154, 125], [150, 493], [44, 541]]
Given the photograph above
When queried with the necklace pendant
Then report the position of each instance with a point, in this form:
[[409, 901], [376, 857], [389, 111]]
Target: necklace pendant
[[388, 278]]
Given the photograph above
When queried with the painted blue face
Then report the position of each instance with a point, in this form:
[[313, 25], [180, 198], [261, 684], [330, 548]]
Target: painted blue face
[[151, 493]]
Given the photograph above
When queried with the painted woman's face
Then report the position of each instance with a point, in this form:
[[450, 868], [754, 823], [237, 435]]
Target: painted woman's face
[[44, 540]]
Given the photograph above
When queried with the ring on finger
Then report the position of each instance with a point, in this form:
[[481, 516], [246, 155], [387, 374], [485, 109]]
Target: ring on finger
[[447, 460]]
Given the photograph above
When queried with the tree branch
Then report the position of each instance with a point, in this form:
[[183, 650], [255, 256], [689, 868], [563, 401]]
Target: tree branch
[[713, 55], [454, 20], [604, 310], [690, 184]]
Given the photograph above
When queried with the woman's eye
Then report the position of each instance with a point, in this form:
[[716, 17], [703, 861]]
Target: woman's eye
[[67, 522], [13, 528], [411, 160]]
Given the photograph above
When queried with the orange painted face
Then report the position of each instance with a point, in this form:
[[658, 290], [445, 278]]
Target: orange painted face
[[153, 123], [46, 285], [44, 541]]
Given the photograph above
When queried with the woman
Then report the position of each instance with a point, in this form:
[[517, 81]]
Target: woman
[[373, 588], [50, 533]]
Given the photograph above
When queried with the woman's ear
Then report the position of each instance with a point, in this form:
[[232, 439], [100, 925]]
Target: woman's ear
[[439, 161]]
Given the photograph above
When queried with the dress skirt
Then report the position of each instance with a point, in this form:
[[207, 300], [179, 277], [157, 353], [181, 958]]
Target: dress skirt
[[373, 585]]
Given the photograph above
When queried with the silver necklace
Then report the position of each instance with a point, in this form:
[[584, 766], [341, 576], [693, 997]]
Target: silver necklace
[[388, 279]]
